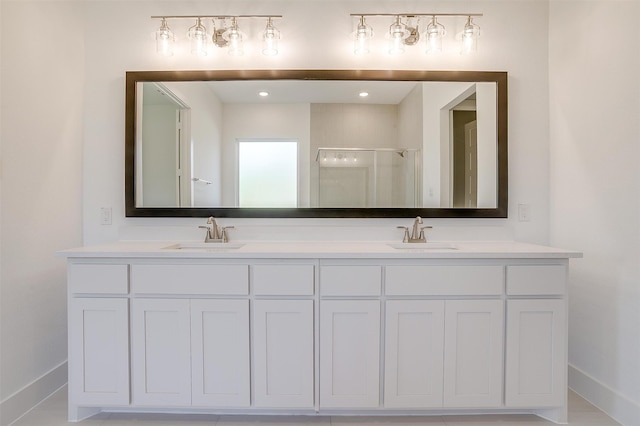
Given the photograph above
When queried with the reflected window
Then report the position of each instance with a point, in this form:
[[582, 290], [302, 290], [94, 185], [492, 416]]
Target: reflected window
[[267, 173]]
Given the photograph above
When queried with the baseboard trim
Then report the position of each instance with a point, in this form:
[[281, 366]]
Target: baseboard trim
[[617, 406], [21, 402]]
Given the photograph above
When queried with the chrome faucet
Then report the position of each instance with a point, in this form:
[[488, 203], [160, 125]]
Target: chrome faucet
[[417, 232], [215, 233]]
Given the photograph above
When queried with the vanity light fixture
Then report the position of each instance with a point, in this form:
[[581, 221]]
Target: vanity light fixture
[[198, 36], [226, 33], [165, 39], [263, 93], [363, 94], [404, 32]]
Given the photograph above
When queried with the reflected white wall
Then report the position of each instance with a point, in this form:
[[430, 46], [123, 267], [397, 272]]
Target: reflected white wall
[[267, 122], [486, 101]]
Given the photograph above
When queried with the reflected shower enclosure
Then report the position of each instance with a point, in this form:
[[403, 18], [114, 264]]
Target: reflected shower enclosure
[[357, 177]]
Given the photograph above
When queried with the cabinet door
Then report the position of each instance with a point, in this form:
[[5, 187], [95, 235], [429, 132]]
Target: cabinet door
[[349, 353], [161, 352], [99, 351], [473, 353], [536, 353], [414, 346], [220, 353], [283, 353]]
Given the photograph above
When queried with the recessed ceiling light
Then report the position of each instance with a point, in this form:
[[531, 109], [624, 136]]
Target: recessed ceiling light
[[263, 93], [364, 94]]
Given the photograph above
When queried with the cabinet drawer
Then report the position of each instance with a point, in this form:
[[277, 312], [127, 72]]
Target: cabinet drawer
[[282, 280], [438, 280], [98, 279], [536, 280], [190, 279], [357, 280]]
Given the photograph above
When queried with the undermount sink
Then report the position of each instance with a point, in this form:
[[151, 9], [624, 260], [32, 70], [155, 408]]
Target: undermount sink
[[204, 246], [423, 246]]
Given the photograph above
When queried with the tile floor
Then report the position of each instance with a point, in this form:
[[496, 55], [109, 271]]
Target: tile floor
[[53, 412]]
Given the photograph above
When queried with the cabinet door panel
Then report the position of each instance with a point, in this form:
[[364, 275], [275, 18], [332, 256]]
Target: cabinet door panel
[[536, 353], [220, 353], [473, 353], [283, 353], [161, 352], [414, 353], [349, 353], [99, 351]]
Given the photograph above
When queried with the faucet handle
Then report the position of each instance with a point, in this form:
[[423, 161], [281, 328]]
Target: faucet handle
[[422, 236], [405, 238], [209, 236], [224, 234]]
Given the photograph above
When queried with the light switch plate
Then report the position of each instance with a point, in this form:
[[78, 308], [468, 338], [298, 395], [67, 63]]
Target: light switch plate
[[105, 215], [524, 212]]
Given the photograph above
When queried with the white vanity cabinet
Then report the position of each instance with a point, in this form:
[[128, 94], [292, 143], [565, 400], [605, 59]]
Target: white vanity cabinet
[[161, 352], [474, 336], [444, 350], [190, 335], [414, 354], [350, 336], [536, 374], [98, 316], [283, 335], [318, 333]]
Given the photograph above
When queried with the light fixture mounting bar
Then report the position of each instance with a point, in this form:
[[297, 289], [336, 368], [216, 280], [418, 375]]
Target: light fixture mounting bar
[[413, 15], [214, 16]]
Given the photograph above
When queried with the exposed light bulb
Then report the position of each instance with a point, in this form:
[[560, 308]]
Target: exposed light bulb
[[165, 39], [435, 32], [235, 38], [198, 36], [470, 35], [397, 33], [270, 38], [362, 36]]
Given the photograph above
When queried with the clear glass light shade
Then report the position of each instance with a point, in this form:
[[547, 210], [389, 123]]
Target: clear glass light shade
[[270, 38], [397, 33], [165, 40], [434, 34], [198, 38], [470, 35], [362, 35], [235, 38]]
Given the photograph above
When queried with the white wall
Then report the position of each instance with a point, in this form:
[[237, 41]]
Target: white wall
[[508, 43], [42, 88], [595, 197]]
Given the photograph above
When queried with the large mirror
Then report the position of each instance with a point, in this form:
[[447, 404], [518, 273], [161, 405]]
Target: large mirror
[[316, 143]]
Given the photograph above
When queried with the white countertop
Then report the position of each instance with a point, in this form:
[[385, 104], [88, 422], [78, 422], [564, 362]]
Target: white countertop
[[320, 249]]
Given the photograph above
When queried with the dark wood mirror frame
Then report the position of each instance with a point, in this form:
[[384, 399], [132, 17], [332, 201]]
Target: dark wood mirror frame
[[498, 77]]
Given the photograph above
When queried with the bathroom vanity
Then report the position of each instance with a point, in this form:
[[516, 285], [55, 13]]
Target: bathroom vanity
[[318, 328]]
